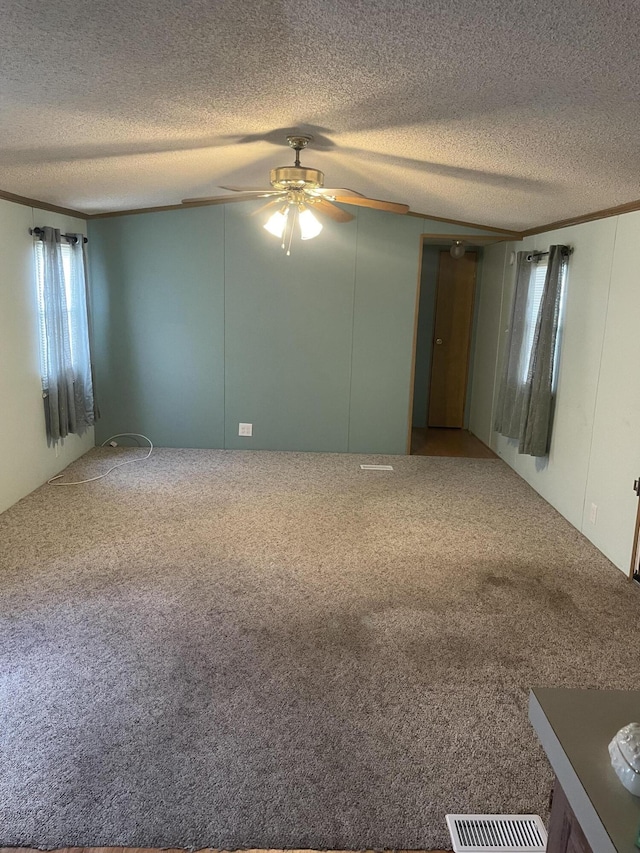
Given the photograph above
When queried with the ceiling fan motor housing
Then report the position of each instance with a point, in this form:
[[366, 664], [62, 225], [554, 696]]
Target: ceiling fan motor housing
[[296, 177]]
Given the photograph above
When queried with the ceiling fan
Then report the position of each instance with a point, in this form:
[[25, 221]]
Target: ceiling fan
[[299, 193]]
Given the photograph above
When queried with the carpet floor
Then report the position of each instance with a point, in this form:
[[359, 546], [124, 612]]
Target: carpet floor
[[236, 649]]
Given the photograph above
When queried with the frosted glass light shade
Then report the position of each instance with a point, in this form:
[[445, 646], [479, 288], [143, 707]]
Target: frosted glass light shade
[[457, 250], [276, 223], [309, 225]]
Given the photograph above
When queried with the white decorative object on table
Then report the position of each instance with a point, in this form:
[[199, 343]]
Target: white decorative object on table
[[624, 750]]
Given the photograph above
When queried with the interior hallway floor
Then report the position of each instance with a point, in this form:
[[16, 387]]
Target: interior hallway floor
[[433, 441]]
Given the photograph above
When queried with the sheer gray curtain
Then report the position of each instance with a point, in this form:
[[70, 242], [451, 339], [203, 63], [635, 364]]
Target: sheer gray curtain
[[67, 380], [525, 401]]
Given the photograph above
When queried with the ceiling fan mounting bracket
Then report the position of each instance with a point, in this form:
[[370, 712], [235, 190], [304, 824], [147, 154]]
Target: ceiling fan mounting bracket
[[296, 177], [299, 142]]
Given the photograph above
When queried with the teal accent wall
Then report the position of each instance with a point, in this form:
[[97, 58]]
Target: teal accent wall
[[202, 322], [386, 282], [288, 336], [158, 317]]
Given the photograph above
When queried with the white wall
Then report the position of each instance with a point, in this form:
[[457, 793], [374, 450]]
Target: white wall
[[595, 447], [25, 460]]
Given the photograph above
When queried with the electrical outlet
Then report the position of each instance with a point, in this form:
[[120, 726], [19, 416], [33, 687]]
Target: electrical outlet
[[245, 429], [593, 514]]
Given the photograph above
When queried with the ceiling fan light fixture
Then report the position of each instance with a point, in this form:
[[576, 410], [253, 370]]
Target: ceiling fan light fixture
[[298, 188], [277, 222], [309, 225], [457, 250]]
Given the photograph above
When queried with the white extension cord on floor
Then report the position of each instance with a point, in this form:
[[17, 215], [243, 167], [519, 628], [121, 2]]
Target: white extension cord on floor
[[110, 441]]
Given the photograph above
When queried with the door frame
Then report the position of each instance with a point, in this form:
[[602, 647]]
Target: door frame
[[475, 241]]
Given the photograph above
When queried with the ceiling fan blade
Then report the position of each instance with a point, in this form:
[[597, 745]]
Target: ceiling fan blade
[[325, 207], [248, 189], [226, 199], [377, 204], [338, 191]]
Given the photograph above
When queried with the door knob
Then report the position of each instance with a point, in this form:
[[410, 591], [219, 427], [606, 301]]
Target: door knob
[[438, 340]]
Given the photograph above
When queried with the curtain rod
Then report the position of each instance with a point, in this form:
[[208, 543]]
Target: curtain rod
[[535, 255], [70, 237]]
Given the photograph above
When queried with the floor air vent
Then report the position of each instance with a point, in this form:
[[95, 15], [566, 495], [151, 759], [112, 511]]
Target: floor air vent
[[377, 467], [497, 833]]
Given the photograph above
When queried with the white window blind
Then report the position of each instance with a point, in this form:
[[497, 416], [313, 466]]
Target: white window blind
[[66, 264], [534, 299]]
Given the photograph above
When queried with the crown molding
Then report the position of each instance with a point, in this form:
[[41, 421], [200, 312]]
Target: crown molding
[[507, 233], [68, 211], [629, 207], [42, 205], [504, 231], [111, 213], [472, 239]]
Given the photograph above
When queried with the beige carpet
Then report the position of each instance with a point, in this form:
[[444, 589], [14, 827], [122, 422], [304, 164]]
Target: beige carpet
[[231, 649]]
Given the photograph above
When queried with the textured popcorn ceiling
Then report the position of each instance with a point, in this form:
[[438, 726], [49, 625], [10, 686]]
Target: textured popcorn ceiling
[[503, 112]]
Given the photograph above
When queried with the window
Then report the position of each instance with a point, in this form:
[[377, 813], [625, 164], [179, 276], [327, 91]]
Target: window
[[534, 299], [66, 264], [65, 357], [525, 404]]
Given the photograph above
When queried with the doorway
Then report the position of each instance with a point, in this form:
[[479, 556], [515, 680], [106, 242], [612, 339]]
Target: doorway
[[451, 348], [444, 338]]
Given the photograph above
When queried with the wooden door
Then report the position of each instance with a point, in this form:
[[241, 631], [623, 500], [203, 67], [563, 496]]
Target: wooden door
[[452, 339]]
